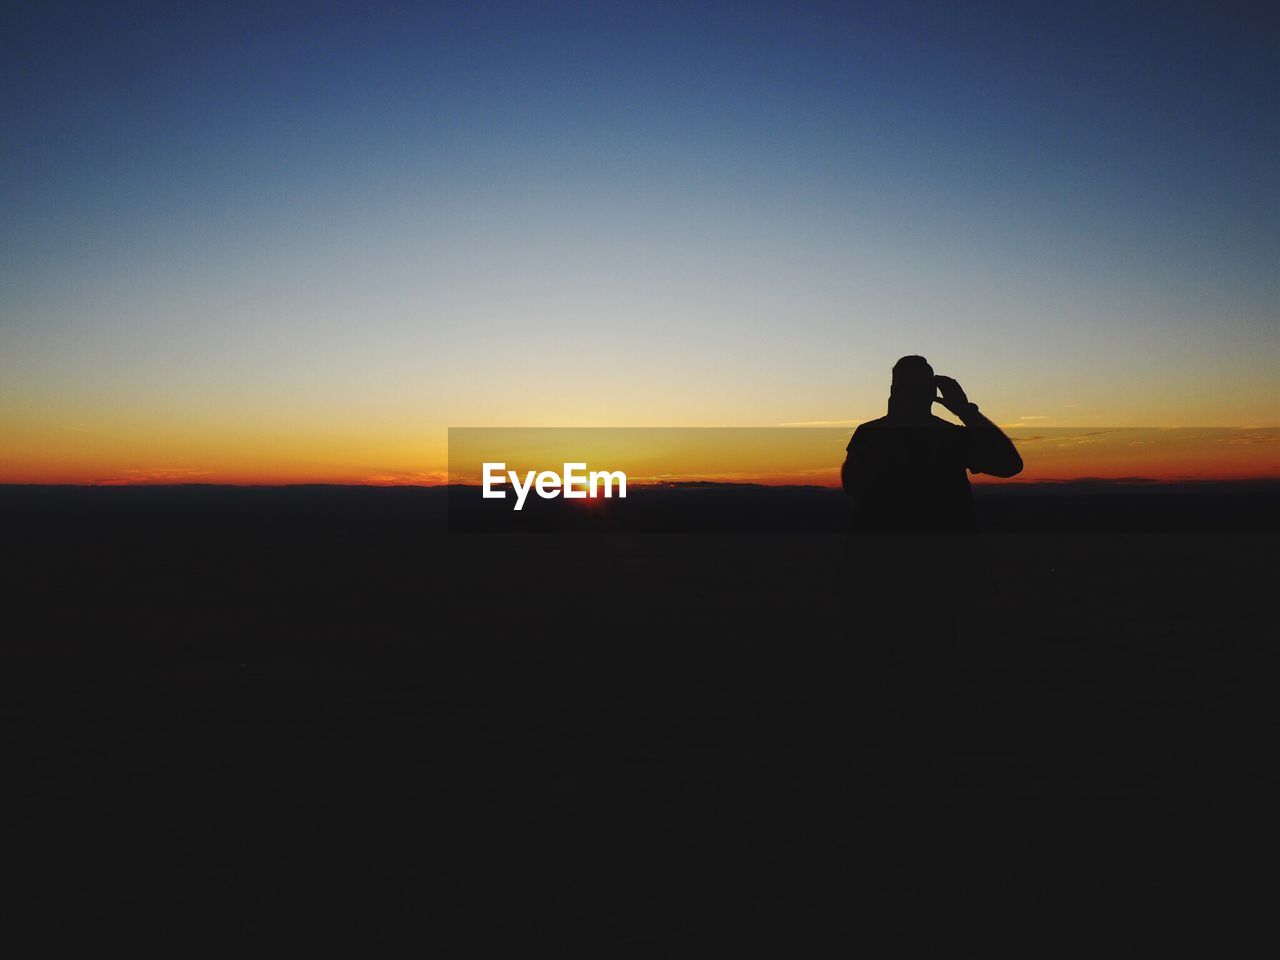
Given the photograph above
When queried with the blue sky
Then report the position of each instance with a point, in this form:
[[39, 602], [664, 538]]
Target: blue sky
[[355, 226]]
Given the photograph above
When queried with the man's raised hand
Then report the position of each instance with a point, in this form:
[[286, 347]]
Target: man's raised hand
[[952, 395]]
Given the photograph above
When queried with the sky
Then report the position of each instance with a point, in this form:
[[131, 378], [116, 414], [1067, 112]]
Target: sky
[[295, 243]]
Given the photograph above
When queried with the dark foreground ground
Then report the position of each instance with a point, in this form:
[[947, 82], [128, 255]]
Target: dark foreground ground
[[270, 719]]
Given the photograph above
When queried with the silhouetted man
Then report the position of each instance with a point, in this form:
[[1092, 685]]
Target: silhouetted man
[[906, 471], [913, 561]]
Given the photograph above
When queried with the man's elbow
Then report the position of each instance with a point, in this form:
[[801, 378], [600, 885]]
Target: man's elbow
[[1008, 468]]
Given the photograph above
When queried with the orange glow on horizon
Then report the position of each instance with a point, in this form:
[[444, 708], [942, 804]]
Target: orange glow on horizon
[[803, 457]]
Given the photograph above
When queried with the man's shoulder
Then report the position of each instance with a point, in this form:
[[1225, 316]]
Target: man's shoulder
[[875, 424], [885, 423], [861, 430]]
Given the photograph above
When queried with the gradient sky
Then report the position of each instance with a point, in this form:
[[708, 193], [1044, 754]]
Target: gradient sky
[[298, 242]]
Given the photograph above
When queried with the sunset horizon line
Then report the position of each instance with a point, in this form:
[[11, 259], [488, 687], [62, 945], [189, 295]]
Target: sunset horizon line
[[638, 482]]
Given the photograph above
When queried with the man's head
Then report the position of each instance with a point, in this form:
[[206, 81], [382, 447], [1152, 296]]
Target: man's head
[[913, 384]]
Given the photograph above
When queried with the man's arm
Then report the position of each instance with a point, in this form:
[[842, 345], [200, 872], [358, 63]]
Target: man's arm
[[849, 469], [853, 473], [990, 451]]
